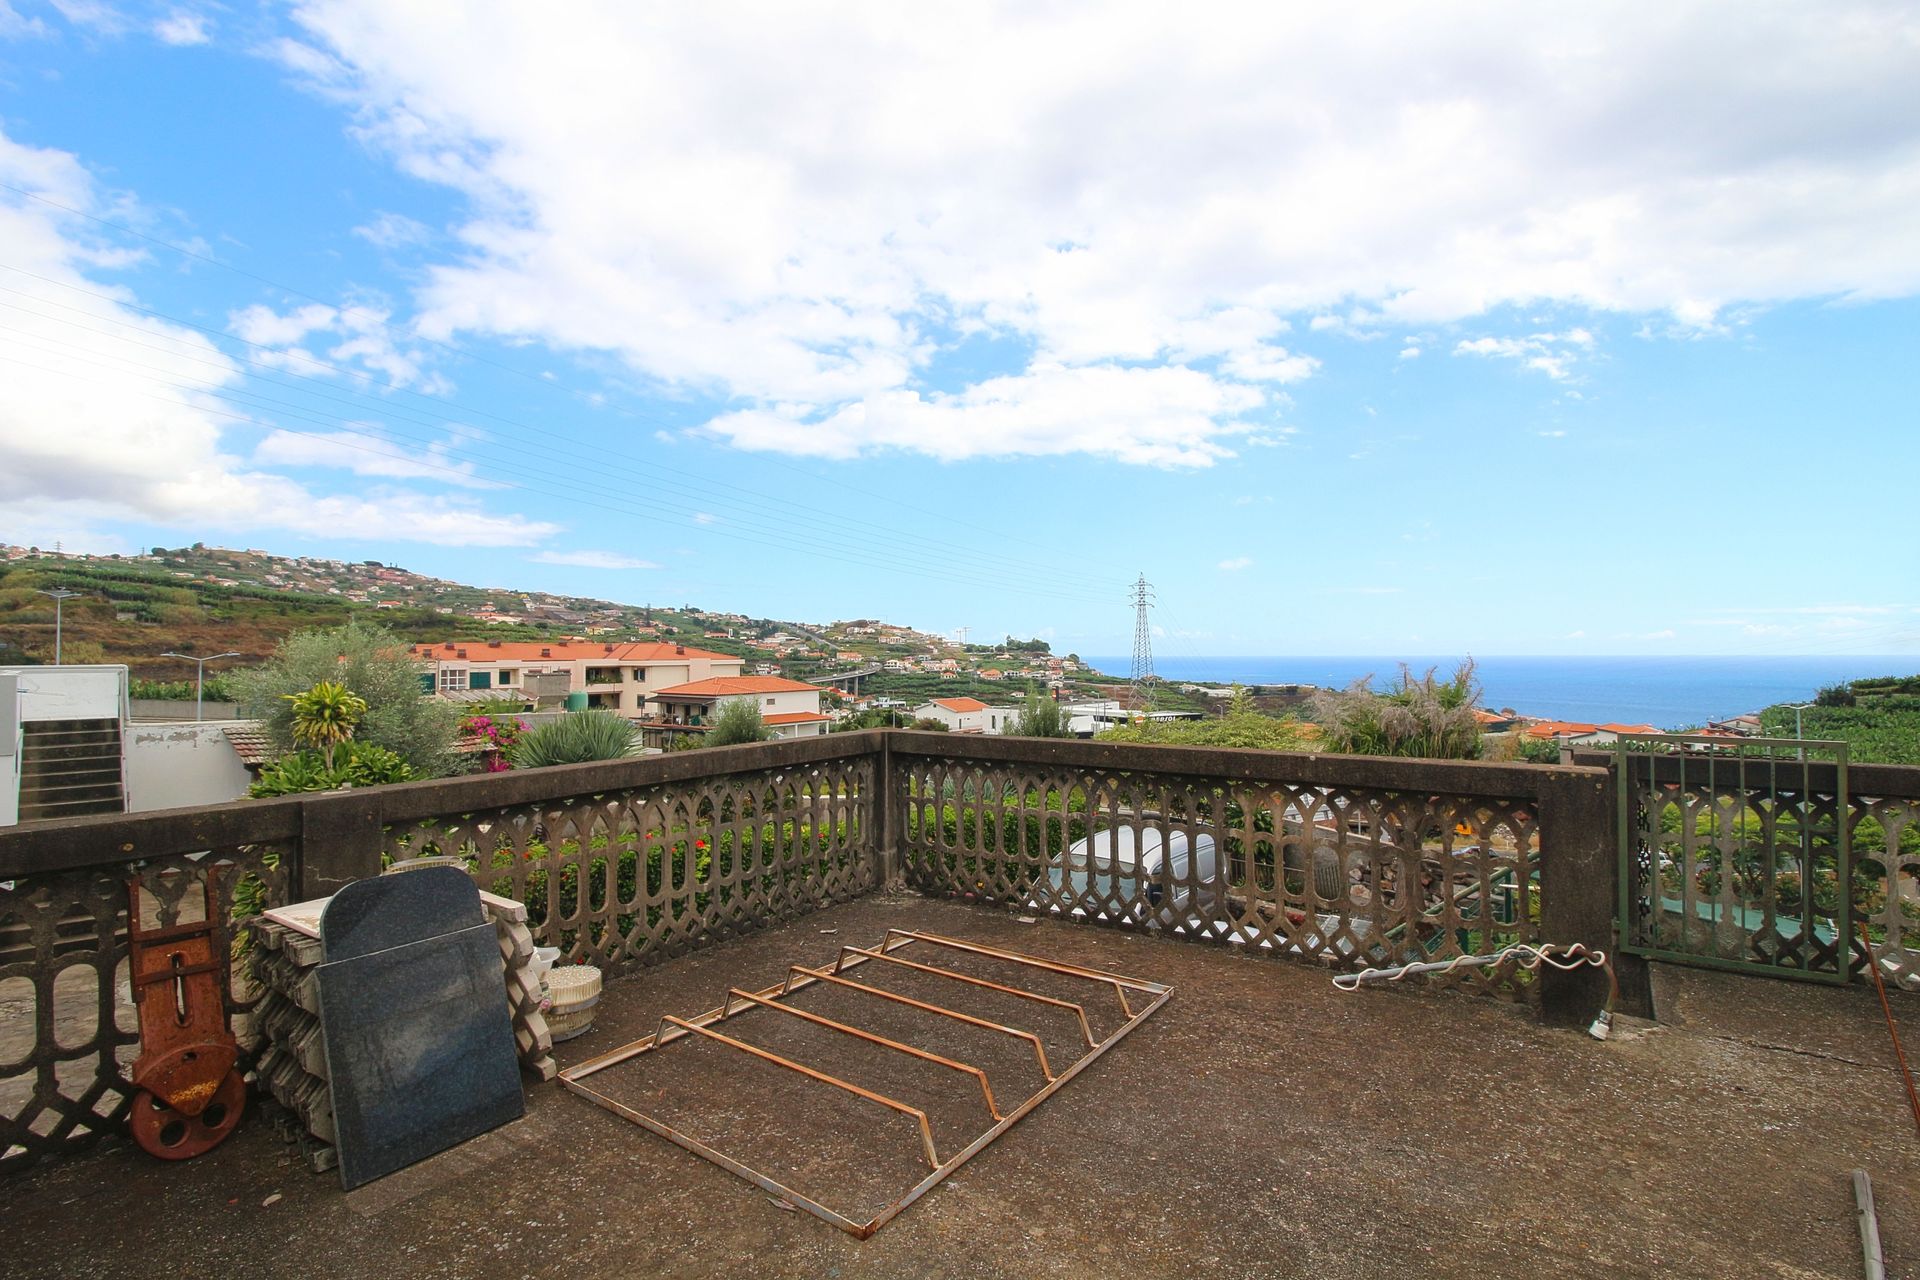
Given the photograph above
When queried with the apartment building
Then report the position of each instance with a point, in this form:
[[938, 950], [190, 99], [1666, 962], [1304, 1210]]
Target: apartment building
[[614, 676]]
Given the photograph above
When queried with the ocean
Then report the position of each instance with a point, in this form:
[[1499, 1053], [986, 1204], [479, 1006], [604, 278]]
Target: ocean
[[1669, 693]]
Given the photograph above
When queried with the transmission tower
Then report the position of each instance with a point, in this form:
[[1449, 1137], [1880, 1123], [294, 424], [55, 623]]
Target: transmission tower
[[1141, 688]]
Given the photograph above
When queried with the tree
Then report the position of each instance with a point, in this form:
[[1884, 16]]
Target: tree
[[737, 721], [1242, 726], [929, 724], [1419, 716], [1042, 717], [575, 738], [377, 666], [325, 716]]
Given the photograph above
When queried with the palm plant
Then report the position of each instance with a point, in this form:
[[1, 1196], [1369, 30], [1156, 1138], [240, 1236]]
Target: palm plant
[[325, 715], [575, 738]]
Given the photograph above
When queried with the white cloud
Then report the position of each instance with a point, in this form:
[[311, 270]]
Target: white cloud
[[592, 559], [1551, 435], [1410, 352], [1551, 353], [13, 26], [367, 451], [361, 338], [1237, 563], [87, 438], [394, 231], [797, 212], [182, 28], [92, 14], [1169, 416]]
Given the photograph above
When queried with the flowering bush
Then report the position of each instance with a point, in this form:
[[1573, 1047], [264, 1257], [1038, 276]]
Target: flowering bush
[[500, 734]]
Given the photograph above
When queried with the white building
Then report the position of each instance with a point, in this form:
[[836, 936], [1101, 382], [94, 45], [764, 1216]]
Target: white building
[[788, 707], [967, 715], [614, 676]]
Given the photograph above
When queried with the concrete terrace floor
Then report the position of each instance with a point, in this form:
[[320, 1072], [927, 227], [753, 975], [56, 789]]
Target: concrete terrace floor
[[1262, 1124]]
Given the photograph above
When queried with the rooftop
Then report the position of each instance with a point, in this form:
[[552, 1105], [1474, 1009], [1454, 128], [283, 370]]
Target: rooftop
[[726, 686], [962, 705], [1262, 1123], [564, 651]]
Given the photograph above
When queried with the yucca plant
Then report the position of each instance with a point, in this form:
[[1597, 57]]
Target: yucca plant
[[575, 738], [324, 717]]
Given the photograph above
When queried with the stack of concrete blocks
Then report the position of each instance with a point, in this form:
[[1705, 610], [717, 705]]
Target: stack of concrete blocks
[[292, 1066]]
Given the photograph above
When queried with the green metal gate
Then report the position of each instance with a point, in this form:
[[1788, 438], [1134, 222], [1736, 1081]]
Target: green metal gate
[[1734, 853]]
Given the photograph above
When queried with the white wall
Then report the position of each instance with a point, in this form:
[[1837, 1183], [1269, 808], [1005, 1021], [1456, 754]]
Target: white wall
[[170, 765]]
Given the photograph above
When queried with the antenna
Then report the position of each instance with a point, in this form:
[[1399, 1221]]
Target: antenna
[[1141, 688]]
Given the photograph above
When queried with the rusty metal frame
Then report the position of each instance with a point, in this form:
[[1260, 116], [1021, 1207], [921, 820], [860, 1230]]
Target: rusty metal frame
[[800, 977]]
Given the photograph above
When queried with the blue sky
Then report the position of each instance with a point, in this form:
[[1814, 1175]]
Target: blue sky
[[1510, 331]]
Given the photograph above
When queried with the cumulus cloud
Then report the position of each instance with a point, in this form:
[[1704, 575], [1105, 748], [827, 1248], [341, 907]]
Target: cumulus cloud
[[803, 211], [1237, 563], [592, 560], [357, 340], [365, 450], [1550, 353], [88, 437]]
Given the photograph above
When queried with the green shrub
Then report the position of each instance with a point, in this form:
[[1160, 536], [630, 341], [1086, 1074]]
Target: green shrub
[[355, 764], [737, 721], [576, 738]]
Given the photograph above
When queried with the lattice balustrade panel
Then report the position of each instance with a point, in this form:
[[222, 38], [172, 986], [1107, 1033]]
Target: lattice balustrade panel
[[68, 1028], [1886, 878], [1345, 875], [646, 873], [1736, 873]]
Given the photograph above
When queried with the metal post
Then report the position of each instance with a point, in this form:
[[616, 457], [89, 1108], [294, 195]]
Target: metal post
[[200, 676], [60, 596]]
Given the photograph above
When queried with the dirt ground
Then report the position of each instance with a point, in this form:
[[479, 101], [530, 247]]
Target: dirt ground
[[1261, 1124]]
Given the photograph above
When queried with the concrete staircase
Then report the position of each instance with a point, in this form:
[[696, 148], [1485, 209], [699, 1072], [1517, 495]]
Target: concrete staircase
[[69, 768]]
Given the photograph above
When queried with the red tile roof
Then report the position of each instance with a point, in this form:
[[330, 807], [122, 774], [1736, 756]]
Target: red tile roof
[[1629, 728], [794, 717], [724, 686], [960, 705], [638, 651], [1560, 728]]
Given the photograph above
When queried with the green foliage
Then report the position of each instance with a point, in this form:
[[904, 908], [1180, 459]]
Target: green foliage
[[1420, 716], [575, 738], [376, 665], [325, 715], [929, 724], [1880, 724], [216, 690], [1836, 695], [1242, 726], [1027, 646], [871, 718], [1042, 717], [355, 764], [738, 720]]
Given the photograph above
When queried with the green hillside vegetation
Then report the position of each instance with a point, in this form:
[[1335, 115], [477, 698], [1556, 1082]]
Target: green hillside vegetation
[[1878, 719]]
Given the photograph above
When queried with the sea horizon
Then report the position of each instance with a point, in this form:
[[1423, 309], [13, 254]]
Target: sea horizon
[[1667, 692]]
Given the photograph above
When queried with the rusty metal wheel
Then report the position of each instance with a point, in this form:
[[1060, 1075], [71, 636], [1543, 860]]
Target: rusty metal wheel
[[164, 1132]]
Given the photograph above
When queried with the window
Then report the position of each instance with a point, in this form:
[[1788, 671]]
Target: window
[[480, 680], [452, 679], [769, 701], [508, 676], [640, 673]]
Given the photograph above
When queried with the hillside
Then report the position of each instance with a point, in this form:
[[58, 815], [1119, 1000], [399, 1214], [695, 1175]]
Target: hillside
[[1878, 719]]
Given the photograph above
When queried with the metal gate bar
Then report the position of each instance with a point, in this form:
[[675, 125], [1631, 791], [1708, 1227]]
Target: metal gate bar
[[799, 977], [1078, 1010], [1735, 920]]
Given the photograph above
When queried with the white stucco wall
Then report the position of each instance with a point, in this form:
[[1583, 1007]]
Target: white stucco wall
[[170, 765]]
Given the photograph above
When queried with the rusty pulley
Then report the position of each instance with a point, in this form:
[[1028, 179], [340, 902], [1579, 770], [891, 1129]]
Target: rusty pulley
[[189, 1094]]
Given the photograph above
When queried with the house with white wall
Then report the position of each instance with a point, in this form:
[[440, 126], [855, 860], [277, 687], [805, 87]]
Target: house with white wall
[[788, 707], [967, 715]]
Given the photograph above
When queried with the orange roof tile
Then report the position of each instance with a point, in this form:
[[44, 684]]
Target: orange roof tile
[[960, 705], [724, 686], [639, 651], [1557, 728], [1629, 728], [794, 717]]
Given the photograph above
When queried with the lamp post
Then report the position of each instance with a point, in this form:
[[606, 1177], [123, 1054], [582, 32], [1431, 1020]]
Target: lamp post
[[60, 596], [200, 675]]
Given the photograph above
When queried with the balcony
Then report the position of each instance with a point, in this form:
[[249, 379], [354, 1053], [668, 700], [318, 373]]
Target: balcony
[[1262, 1123]]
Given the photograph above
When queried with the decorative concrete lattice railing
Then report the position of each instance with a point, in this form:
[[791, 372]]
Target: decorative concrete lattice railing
[[1337, 859], [1347, 860], [620, 863]]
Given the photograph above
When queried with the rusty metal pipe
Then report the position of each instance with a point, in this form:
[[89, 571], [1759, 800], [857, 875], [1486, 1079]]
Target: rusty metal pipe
[[1120, 985], [822, 975], [915, 965], [760, 1001]]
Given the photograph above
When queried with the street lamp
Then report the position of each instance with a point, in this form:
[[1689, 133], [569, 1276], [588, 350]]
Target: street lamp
[[200, 675], [60, 596]]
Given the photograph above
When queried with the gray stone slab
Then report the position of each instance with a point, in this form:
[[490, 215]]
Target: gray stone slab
[[388, 911], [419, 1037]]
